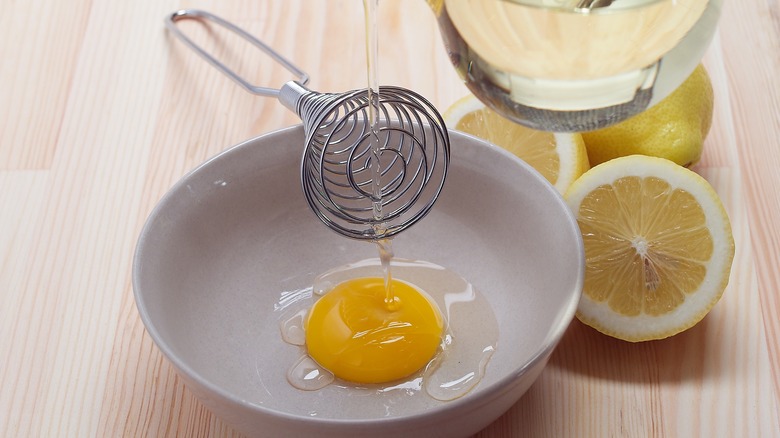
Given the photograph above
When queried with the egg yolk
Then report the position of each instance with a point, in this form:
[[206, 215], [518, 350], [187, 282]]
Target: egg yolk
[[355, 334]]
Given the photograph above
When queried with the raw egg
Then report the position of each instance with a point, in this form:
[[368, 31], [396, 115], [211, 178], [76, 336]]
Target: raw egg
[[355, 333], [435, 338]]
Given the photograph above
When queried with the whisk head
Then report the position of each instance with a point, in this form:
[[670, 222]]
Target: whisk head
[[337, 173]]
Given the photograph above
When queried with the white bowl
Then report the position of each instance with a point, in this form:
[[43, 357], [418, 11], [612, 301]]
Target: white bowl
[[223, 244]]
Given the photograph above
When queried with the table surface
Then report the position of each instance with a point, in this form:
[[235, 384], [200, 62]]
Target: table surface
[[101, 112]]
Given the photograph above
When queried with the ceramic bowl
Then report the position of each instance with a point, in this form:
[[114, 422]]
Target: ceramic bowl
[[226, 245]]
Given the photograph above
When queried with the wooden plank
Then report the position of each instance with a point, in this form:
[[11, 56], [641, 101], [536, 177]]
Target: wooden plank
[[40, 43]]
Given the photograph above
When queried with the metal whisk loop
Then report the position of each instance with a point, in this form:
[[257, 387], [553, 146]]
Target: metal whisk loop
[[337, 172]]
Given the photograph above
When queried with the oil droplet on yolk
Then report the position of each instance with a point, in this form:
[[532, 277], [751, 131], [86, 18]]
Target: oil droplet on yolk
[[352, 332]]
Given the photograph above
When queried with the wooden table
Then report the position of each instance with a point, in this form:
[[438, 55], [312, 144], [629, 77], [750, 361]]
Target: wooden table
[[101, 112]]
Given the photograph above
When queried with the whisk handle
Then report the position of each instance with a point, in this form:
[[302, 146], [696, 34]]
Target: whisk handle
[[170, 23], [290, 95]]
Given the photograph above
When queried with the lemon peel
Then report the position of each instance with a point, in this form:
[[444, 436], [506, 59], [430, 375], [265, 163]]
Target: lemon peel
[[674, 129]]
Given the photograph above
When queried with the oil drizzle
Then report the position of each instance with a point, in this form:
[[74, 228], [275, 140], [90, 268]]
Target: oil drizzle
[[372, 54]]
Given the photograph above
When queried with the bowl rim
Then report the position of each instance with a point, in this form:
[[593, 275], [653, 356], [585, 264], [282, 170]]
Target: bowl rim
[[470, 401]]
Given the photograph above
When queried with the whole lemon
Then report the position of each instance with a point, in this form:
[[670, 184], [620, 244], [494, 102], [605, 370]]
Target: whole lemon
[[674, 128]]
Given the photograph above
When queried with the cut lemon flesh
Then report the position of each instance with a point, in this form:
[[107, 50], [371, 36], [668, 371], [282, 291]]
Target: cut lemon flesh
[[658, 247], [560, 157]]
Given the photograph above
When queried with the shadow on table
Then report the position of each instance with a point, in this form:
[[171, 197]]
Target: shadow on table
[[677, 359], [590, 373]]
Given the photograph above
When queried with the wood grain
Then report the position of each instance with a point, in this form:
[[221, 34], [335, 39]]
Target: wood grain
[[101, 112], [756, 145]]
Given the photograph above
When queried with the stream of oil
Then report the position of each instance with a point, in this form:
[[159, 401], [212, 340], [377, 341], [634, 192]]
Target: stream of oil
[[384, 246]]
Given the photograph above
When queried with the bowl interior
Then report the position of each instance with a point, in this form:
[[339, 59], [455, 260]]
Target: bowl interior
[[234, 237]]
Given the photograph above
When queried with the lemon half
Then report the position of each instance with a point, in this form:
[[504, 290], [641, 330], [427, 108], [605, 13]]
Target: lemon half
[[658, 247], [560, 157]]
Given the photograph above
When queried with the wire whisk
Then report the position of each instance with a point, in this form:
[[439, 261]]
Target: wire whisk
[[338, 167]]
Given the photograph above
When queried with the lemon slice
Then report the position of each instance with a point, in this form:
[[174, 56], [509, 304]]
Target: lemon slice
[[560, 157], [658, 247]]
